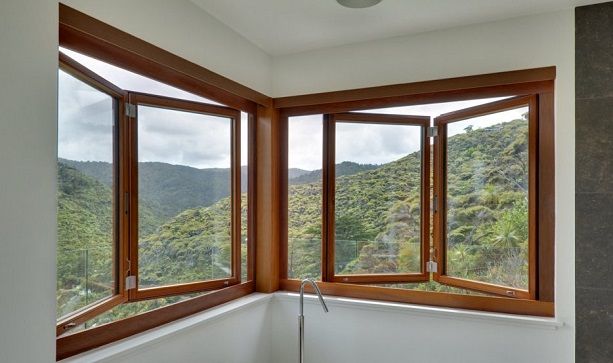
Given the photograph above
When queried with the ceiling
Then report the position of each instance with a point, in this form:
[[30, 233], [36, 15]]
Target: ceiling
[[282, 27]]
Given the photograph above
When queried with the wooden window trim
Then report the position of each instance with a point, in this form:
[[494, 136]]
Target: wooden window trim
[[85, 34], [329, 184], [538, 82]]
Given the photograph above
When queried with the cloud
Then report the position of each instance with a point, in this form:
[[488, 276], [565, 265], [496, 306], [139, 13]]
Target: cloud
[[85, 121]]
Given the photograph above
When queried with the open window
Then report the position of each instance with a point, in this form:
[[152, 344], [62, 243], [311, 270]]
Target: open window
[[485, 181], [154, 203], [184, 248], [377, 228], [448, 214], [91, 227]]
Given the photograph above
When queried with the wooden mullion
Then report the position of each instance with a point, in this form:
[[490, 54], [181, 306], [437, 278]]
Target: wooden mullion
[[235, 195], [440, 200], [251, 199], [328, 198]]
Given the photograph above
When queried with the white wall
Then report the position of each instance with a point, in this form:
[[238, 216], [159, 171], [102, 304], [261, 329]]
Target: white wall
[[236, 332], [186, 30], [28, 98], [535, 41], [359, 333]]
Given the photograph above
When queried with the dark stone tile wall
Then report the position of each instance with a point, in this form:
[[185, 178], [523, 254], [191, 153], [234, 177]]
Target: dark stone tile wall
[[594, 183]]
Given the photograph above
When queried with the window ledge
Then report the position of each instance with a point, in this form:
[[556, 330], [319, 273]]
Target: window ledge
[[430, 311], [152, 336]]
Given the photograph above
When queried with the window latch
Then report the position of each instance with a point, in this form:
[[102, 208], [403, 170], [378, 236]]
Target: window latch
[[431, 266], [432, 131]]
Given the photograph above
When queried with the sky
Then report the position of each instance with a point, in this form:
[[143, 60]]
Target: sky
[[378, 144], [174, 137], [202, 141]]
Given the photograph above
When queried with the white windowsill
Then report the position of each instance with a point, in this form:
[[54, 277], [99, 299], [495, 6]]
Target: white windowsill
[[429, 311], [152, 336], [209, 316]]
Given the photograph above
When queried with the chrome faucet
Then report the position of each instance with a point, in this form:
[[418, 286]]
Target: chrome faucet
[[301, 316]]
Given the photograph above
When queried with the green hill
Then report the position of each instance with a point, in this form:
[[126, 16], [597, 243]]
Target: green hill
[[315, 176], [378, 211]]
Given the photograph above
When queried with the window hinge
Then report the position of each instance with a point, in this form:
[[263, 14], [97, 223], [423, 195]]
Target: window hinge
[[431, 266], [432, 131], [130, 110], [130, 282]]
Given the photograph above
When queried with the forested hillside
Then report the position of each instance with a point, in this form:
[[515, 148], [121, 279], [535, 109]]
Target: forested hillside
[[378, 211]]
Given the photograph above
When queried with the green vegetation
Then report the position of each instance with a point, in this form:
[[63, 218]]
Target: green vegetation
[[378, 211], [185, 220]]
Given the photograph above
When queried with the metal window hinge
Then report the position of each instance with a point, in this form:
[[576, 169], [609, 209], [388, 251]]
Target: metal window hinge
[[432, 131], [130, 282], [130, 110], [431, 266]]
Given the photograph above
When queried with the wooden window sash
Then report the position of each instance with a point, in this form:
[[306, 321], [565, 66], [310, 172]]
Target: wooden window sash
[[328, 207], [120, 225], [440, 187], [141, 99]]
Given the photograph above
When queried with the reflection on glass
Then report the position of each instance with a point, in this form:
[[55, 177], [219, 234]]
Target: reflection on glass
[[86, 209], [305, 143], [377, 203], [487, 198], [184, 181]]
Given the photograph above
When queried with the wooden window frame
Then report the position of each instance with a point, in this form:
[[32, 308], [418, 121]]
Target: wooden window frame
[[84, 34], [329, 185], [535, 84]]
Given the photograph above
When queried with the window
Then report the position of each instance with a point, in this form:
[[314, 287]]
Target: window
[[153, 200], [423, 201]]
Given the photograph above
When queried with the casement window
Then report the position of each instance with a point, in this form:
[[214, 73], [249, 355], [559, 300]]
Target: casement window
[[153, 202], [433, 202]]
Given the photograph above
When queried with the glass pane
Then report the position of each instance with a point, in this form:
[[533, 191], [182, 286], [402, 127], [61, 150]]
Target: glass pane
[[487, 198], [377, 203], [305, 145], [86, 208], [244, 193], [132, 81], [184, 181]]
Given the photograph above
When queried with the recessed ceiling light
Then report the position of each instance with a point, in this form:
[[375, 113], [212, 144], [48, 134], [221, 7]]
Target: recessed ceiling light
[[358, 4]]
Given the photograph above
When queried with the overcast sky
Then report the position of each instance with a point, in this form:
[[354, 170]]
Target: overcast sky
[[174, 137], [200, 141], [370, 144]]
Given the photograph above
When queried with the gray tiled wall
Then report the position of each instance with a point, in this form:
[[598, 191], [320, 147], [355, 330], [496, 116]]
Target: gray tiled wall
[[594, 183]]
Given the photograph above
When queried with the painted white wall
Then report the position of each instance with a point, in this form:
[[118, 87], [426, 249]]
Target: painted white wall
[[357, 333], [527, 42], [236, 332], [186, 30], [28, 99]]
